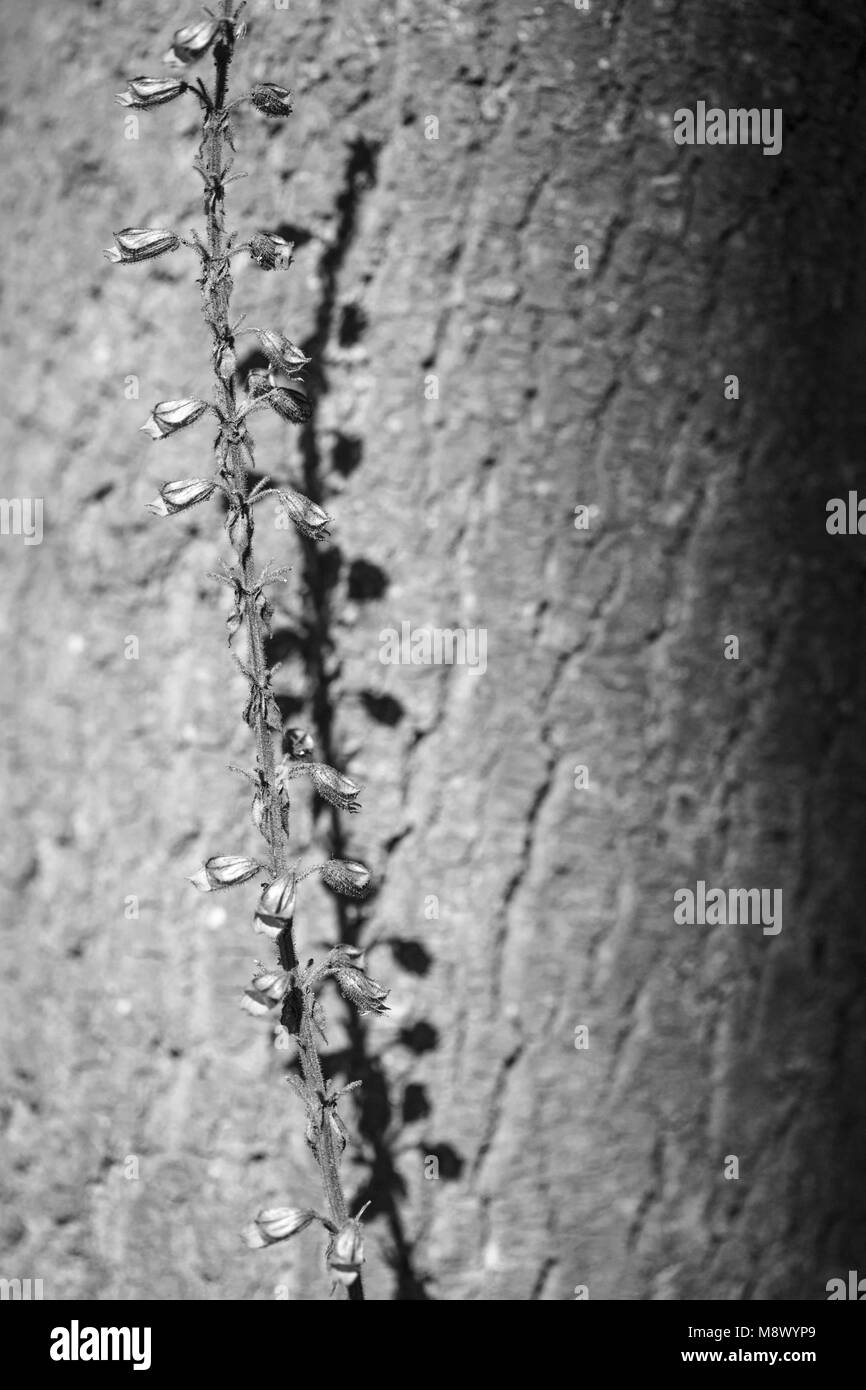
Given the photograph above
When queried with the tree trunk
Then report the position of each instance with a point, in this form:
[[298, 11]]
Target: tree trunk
[[553, 1106]]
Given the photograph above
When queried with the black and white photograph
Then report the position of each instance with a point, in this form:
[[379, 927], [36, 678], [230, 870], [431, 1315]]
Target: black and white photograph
[[433, 679]]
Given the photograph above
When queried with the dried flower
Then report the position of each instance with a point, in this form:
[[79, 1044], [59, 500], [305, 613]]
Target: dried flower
[[271, 251], [144, 92], [277, 904], [271, 99], [266, 992], [311, 520], [276, 1223], [140, 244], [282, 354], [360, 989], [347, 876], [177, 497], [191, 43], [225, 871], [273, 984], [284, 992], [334, 787], [346, 1253], [169, 416]]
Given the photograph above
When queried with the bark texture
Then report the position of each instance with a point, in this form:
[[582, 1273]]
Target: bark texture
[[472, 387]]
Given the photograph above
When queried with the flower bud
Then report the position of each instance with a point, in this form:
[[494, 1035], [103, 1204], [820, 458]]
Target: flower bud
[[334, 787], [309, 518], [347, 876], [346, 1253], [176, 497], [169, 416], [191, 42], [276, 1223], [301, 743], [144, 92], [271, 252], [359, 989], [282, 353], [271, 99], [224, 871], [277, 904], [141, 244]]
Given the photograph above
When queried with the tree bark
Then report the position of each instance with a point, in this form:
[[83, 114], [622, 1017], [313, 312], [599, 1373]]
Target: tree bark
[[472, 387]]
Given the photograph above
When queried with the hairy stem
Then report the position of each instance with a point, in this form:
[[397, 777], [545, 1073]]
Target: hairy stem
[[232, 445]]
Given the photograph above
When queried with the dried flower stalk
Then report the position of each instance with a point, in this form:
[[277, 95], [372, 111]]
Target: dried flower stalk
[[288, 989]]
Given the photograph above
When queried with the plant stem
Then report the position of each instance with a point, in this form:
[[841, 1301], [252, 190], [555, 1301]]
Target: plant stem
[[216, 296]]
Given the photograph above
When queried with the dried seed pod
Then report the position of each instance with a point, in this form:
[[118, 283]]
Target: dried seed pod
[[191, 43], [145, 92], [177, 497], [277, 1223], [340, 791], [272, 984], [346, 1253], [281, 352], [169, 416], [140, 244], [291, 402], [225, 871], [271, 99], [266, 992], [367, 995], [311, 519], [277, 904], [271, 252], [347, 876]]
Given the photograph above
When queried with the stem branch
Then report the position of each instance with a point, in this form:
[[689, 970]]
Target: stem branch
[[216, 297]]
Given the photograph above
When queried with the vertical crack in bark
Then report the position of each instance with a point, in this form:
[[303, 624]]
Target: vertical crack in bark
[[384, 1186]]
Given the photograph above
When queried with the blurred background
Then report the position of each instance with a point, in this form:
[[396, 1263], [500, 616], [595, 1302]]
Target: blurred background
[[528, 824]]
